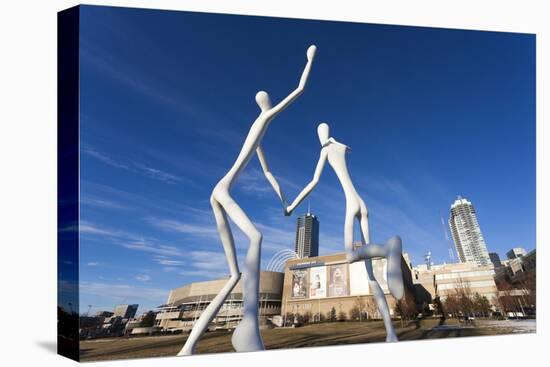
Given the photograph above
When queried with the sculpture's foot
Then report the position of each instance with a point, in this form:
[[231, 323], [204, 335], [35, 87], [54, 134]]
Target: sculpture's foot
[[394, 273], [247, 337], [391, 338], [187, 350]]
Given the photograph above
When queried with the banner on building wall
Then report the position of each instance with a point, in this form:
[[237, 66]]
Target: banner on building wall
[[299, 284], [338, 284], [380, 273], [318, 282]]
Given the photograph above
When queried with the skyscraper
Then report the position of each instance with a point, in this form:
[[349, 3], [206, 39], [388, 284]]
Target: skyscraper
[[466, 233], [307, 236], [495, 259]]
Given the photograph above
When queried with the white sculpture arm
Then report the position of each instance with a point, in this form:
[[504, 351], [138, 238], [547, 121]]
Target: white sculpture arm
[[269, 175], [310, 186], [303, 80]]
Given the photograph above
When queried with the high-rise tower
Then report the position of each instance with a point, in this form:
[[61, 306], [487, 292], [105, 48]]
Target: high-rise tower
[[466, 233], [307, 236]]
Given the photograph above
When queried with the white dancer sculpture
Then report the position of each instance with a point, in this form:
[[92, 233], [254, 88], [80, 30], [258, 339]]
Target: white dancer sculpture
[[335, 153], [246, 336]]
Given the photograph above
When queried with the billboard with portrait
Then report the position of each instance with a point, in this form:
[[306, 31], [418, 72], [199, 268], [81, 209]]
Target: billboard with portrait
[[318, 282], [338, 284], [299, 284]]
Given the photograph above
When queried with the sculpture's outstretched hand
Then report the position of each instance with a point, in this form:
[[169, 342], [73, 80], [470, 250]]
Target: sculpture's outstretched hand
[[311, 53]]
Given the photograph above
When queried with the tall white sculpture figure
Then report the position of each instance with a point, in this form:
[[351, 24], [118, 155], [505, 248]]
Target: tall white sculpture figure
[[246, 336], [335, 153]]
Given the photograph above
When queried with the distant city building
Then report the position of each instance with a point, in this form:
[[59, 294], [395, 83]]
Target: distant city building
[[495, 259], [185, 304], [445, 279], [515, 253], [466, 233], [307, 236], [517, 284], [516, 265], [126, 311], [316, 286]]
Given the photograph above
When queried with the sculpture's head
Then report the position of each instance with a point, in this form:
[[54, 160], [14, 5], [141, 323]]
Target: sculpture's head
[[323, 131], [263, 101]]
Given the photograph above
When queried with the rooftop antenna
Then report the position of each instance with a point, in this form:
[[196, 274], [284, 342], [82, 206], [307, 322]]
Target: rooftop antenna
[[428, 259], [308, 207]]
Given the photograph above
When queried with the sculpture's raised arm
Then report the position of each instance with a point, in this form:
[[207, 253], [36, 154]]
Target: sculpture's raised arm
[[303, 81], [310, 186], [269, 176]]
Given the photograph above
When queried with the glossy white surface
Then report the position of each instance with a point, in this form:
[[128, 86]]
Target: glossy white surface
[[246, 336], [335, 153]]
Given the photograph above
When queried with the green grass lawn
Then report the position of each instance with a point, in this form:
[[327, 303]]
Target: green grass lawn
[[325, 334]]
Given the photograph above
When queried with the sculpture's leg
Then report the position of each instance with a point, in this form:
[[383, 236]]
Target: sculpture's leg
[[247, 337], [348, 234], [393, 252], [364, 223], [394, 273], [381, 302], [379, 296], [208, 314]]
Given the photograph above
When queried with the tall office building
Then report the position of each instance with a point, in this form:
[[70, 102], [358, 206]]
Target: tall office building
[[467, 236], [495, 259], [307, 236]]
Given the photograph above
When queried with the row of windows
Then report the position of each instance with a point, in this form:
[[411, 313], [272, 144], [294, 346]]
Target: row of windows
[[466, 274], [479, 284]]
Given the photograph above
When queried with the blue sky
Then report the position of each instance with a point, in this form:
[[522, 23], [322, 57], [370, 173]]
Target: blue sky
[[168, 97]]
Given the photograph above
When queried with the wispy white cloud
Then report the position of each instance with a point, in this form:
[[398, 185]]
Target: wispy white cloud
[[157, 174], [92, 152], [95, 263], [197, 229], [100, 202], [120, 292], [145, 204], [154, 249], [163, 260], [143, 278], [207, 264], [169, 269], [130, 240], [253, 181], [134, 167], [89, 228]]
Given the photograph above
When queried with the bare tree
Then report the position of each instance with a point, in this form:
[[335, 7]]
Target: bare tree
[[331, 315], [406, 308], [451, 305], [359, 309], [342, 316], [371, 309], [463, 292]]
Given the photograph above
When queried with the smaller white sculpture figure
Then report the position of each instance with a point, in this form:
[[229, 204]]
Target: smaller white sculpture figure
[[335, 153], [246, 337]]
